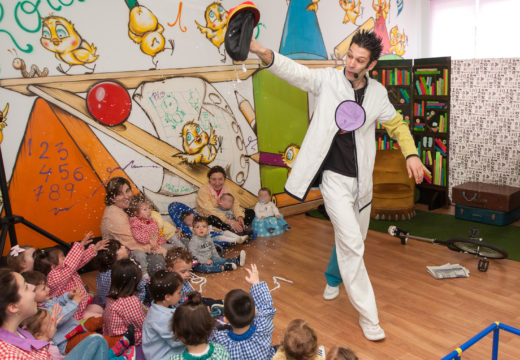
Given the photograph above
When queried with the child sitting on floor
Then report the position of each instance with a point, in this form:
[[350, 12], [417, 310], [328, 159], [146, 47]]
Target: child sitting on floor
[[62, 272], [68, 327], [20, 258], [216, 234], [123, 307], [158, 340], [202, 247], [251, 318], [268, 221], [192, 324], [180, 261], [299, 343], [38, 324], [105, 259]]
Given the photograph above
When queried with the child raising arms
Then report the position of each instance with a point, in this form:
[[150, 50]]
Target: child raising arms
[[62, 272]]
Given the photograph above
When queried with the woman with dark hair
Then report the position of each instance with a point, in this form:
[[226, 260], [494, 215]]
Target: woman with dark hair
[[16, 305], [208, 199], [115, 224]]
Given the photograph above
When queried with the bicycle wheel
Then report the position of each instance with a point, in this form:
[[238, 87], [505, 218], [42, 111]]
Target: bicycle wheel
[[476, 247]]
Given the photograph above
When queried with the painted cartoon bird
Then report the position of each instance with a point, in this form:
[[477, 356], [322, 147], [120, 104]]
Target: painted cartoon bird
[[397, 41], [199, 147], [351, 10], [3, 121], [144, 29], [216, 26], [381, 8], [290, 154], [60, 37], [313, 6]]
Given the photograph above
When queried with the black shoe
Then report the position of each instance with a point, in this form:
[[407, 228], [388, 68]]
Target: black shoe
[[130, 334], [230, 267]]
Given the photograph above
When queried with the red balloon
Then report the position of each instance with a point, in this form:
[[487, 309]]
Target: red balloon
[[109, 103]]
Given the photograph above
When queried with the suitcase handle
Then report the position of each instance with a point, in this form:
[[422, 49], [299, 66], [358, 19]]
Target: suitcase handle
[[473, 198]]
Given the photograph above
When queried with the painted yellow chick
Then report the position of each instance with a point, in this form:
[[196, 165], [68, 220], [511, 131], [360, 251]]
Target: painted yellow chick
[[144, 29], [290, 154], [199, 147], [216, 26], [313, 6], [3, 121], [351, 10], [381, 8], [398, 41], [60, 37]]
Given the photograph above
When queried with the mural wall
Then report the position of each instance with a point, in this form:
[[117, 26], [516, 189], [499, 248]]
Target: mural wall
[[92, 89]]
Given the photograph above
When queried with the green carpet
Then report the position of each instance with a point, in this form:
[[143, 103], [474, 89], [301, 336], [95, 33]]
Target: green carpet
[[445, 227]]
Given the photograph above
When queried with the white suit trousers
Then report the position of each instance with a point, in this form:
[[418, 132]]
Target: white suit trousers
[[350, 229]]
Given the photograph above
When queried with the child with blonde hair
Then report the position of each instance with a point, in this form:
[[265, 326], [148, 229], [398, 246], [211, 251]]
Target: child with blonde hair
[[268, 221], [299, 343], [145, 229]]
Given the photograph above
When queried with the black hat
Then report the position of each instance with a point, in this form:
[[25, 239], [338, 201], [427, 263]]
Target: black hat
[[242, 20]]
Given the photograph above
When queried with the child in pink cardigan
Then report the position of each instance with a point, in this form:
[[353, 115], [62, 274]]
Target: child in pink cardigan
[[62, 272], [145, 229]]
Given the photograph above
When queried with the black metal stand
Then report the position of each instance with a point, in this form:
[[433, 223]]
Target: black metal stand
[[9, 220]]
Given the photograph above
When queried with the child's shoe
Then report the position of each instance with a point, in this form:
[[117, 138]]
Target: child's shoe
[[242, 239], [129, 354], [217, 310], [125, 342], [241, 259], [230, 267], [321, 351]]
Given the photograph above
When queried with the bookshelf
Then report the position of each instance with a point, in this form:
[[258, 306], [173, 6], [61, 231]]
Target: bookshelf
[[397, 77], [427, 111]]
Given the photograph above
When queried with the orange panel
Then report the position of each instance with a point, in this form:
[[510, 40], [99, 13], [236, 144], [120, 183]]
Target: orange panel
[[57, 181]]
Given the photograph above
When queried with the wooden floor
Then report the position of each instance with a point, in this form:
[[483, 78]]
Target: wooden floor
[[423, 318]]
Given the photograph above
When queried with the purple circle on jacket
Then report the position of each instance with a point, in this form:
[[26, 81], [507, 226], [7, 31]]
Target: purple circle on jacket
[[350, 115]]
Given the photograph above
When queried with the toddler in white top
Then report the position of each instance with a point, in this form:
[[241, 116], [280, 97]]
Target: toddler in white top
[[268, 221]]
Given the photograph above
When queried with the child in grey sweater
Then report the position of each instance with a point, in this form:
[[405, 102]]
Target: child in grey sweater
[[202, 247]]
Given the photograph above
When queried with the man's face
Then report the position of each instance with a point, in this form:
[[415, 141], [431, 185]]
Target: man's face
[[357, 62]]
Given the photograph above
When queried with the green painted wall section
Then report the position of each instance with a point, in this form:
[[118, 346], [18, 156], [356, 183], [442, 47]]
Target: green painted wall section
[[282, 119]]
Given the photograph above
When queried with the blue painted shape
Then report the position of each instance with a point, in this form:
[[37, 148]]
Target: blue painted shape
[[301, 37]]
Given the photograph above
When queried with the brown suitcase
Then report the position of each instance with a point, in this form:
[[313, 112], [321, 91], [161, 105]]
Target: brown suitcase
[[487, 196]]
